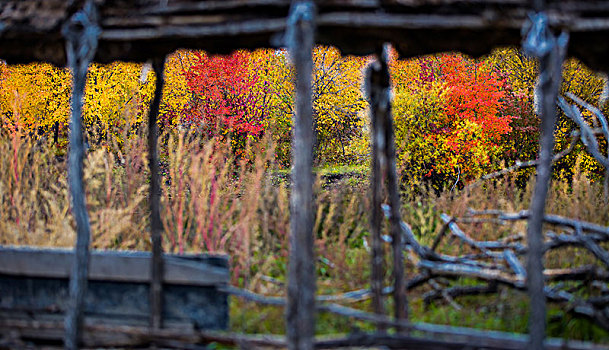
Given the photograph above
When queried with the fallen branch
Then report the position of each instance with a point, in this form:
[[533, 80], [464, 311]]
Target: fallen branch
[[550, 219], [518, 165], [459, 291]]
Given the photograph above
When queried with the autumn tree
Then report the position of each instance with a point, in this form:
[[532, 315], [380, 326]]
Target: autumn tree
[[116, 100], [451, 117], [521, 73], [338, 103], [225, 102], [34, 97], [176, 93]]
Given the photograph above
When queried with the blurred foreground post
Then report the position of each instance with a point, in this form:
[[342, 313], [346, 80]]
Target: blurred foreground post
[[393, 189], [156, 226], [378, 88], [81, 33], [540, 42], [378, 107], [300, 313]]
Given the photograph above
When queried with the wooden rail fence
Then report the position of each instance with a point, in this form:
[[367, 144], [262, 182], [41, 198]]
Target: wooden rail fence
[[75, 33]]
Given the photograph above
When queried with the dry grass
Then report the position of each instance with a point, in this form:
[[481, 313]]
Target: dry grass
[[212, 202], [34, 206]]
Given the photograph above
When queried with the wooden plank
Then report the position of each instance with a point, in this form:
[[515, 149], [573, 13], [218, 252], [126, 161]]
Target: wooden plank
[[119, 266], [34, 288], [113, 303]]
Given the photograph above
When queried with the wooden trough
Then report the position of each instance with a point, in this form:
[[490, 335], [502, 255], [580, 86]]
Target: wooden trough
[[34, 290]]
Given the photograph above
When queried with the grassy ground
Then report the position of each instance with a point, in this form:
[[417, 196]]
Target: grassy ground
[[209, 204]]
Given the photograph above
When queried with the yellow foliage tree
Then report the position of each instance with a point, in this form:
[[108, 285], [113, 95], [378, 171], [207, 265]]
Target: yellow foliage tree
[[34, 97]]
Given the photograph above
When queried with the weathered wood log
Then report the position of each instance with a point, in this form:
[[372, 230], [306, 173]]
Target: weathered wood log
[[34, 288], [141, 29], [110, 336], [436, 338], [466, 337]]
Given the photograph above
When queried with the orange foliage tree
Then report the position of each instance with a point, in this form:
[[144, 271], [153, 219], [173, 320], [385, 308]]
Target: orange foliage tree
[[452, 115]]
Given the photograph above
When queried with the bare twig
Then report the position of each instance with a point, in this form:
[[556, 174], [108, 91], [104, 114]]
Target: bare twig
[[458, 291], [605, 129], [441, 234], [527, 164], [587, 134], [549, 219], [454, 228]]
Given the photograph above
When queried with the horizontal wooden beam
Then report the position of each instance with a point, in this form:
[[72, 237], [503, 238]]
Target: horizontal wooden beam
[[117, 266], [140, 29], [460, 338]]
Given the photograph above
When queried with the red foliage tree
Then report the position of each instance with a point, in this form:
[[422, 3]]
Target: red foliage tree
[[453, 116], [226, 102], [475, 93]]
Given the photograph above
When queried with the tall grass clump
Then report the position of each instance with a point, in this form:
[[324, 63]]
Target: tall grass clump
[[214, 202], [34, 207]]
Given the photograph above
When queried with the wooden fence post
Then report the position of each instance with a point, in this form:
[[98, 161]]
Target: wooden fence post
[[378, 86], [300, 313], [81, 33], [393, 189], [540, 42], [375, 94], [156, 226]]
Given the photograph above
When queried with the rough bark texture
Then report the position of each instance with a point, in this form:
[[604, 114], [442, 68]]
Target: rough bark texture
[[139, 29], [81, 42], [300, 313], [156, 226]]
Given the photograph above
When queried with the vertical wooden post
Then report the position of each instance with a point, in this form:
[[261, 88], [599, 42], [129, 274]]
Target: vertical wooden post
[[156, 227], [378, 86], [393, 189], [376, 96], [81, 34], [300, 313], [541, 43]]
